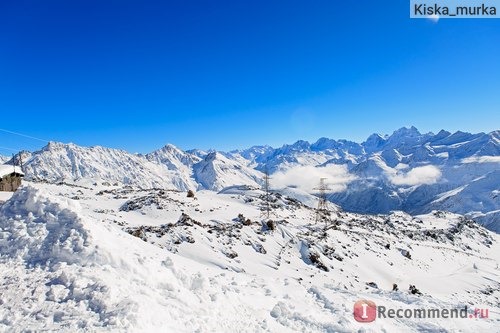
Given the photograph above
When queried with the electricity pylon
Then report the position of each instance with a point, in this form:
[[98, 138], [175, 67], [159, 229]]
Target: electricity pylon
[[266, 206], [322, 211]]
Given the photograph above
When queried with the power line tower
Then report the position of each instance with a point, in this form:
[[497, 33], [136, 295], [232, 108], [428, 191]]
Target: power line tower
[[322, 211], [266, 205]]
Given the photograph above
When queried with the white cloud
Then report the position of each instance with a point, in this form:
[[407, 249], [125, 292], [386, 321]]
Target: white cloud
[[428, 174], [308, 177], [482, 159], [401, 166]]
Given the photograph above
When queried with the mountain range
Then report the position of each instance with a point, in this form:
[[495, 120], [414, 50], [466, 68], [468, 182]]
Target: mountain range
[[407, 170]]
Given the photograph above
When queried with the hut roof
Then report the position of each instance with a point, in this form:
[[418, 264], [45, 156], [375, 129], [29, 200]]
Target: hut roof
[[6, 169]]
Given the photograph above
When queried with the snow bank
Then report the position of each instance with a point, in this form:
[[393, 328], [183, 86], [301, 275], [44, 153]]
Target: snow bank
[[60, 270], [49, 232]]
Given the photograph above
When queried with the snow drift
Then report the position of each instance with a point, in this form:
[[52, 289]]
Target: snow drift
[[61, 271]]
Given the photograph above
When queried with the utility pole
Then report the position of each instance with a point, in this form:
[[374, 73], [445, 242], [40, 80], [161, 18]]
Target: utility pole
[[322, 212]]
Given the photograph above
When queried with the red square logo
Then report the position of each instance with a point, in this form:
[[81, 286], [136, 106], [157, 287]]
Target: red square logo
[[365, 311]]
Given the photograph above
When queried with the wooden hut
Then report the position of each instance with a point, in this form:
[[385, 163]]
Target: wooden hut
[[10, 178]]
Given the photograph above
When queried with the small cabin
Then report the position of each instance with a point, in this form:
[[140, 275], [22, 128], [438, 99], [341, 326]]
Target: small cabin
[[10, 178]]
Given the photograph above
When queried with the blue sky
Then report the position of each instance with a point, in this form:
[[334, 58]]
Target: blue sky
[[229, 74]]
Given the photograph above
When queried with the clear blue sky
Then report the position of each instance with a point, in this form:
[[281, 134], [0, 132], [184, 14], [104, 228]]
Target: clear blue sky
[[230, 74]]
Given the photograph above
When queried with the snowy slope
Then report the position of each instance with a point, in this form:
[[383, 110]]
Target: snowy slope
[[63, 271], [133, 260]]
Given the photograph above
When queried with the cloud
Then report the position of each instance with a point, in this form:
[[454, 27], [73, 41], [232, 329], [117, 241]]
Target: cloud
[[308, 177], [428, 174], [482, 159]]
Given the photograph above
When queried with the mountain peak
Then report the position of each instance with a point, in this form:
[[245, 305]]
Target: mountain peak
[[407, 132], [169, 146], [297, 146], [324, 143], [374, 142], [212, 156], [54, 145]]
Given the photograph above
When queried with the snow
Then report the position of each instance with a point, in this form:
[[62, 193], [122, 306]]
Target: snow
[[406, 170], [4, 196], [8, 169], [482, 159], [446, 195], [69, 261]]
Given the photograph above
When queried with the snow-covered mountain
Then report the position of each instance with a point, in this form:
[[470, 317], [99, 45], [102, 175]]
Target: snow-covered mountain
[[59, 162], [167, 168], [408, 170], [217, 171], [177, 162]]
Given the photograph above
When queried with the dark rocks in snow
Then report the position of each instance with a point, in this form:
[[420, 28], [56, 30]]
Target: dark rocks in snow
[[231, 254], [186, 220], [406, 253], [337, 256], [372, 285], [315, 260], [488, 291], [413, 290], [157, 198], [328, 251], [190, 194], [439, 214], [139, 233], [271, 225], [259, 248], [395, 287], [241, 219]]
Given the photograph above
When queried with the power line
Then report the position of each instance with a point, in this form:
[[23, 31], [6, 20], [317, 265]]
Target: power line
[[23, 135]]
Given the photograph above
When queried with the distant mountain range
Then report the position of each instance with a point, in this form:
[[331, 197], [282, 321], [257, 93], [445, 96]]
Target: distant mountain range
[[408, 170]]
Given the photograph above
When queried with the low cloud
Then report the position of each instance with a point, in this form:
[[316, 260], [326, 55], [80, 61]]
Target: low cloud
[[428, 174], [307, 178]]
